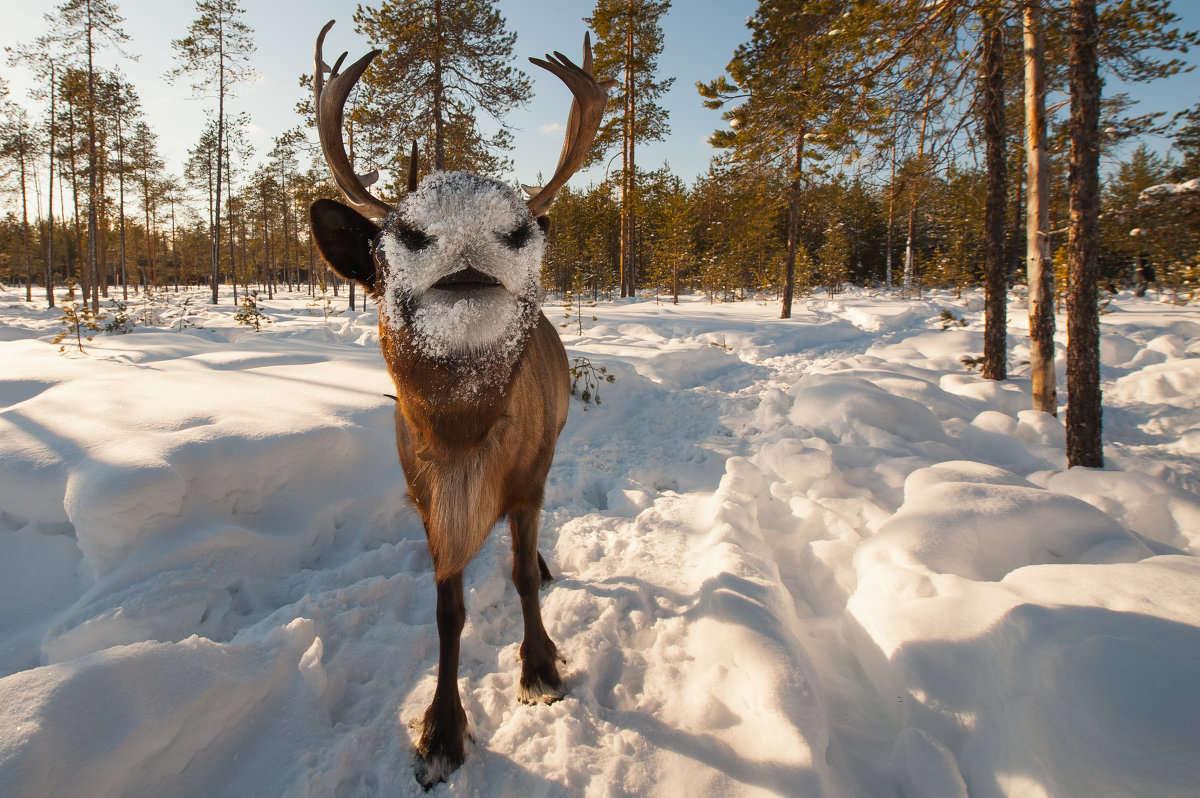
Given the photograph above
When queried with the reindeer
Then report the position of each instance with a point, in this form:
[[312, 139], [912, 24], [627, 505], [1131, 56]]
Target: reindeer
[[481, 376]]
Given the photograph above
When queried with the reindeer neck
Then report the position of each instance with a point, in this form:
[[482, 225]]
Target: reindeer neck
[[456, 403]]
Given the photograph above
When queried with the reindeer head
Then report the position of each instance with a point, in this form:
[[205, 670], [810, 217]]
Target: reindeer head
[[457, 264]]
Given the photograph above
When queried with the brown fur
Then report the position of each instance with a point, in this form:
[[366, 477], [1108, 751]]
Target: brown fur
[[471, 457]]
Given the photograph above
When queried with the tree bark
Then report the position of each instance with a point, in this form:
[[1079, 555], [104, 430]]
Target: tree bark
[[793, 231], [629, 169], [121, 200], [995, 331], [439, 125], [93, 223], [1039, 265], [50, 215], [1084, 440], [21, 144], [216, 226]]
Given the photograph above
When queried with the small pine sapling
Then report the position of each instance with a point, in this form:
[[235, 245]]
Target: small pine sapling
[[323, 305], [120, 322], [586, 378], [154, 302], [949, 320], [574, 304], [77, 316], [183, 318], [972, 363], [249, 314]]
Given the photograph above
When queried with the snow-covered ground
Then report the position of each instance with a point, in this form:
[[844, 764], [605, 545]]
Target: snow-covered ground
[[814, 557]]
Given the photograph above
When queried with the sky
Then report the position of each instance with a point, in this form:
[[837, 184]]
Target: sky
[[700, 38]]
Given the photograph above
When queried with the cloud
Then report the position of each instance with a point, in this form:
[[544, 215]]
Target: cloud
[[551, 129]]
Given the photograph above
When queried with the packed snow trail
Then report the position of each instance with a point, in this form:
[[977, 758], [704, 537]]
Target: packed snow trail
[[807, 557]]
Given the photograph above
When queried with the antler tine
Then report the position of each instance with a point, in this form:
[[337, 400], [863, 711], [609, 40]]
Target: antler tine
[[329, 103], [587, 109]]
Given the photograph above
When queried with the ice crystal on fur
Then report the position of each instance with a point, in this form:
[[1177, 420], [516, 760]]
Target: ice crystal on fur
[[457, 221]]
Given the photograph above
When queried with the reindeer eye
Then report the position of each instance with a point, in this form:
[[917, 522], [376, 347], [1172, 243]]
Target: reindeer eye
[[518, 237], [413, 238]]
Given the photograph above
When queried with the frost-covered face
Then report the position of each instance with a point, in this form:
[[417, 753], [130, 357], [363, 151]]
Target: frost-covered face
[[459, 265]]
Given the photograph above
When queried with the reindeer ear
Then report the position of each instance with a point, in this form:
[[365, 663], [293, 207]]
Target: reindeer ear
[[344, 239]]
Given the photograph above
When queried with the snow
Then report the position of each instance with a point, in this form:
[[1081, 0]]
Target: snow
[[807, 557], [1171, 189], [463, 217]]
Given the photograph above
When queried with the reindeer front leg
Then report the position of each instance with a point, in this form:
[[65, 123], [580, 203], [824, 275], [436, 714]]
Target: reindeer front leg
[[445, 725], [540, 681]]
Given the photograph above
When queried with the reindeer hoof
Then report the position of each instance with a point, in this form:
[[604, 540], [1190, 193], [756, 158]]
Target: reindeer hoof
[[433, 770], [441, 748], [540, 682], [541, 692]]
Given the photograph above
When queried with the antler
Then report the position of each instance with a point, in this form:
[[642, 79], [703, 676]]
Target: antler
[[587, 108], [330, 102]]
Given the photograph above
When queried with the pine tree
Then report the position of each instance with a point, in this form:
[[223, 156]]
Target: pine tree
[[792, 84], [217, 52], [629, 40], [83, 27], [19, 144], [443, 65], [77, 317], [45, 64], [833, 258], [1187, 141], [148, 170]]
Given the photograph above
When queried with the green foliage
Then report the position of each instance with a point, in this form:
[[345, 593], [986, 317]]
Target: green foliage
[[154, 303], [833, 258], [76, 318], [574, 301], [618, 23], [973, 363], [445, 67], [120, 322], [949, 320], [184, 315], [249, 314]]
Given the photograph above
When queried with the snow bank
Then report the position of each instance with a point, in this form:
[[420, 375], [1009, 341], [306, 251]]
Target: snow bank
[[805, 557]]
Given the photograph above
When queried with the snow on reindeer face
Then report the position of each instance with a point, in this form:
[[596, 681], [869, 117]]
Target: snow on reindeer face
[[460, 266]]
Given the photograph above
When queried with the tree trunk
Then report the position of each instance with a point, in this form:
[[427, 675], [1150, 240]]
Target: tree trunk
[[93, 223], [628, 169], [995, 332], [121, 201], [909, 254], [793, 230], [25, 219], [216, 228], [1084, 442], [81, 260], [439, 126], [149, 245], [891, 217], [50, 215], [1039, 264], [174, 248]]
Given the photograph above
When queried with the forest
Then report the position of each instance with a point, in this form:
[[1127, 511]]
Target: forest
[[856, 151], [877, 473]]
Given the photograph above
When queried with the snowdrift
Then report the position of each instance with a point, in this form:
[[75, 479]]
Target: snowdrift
[[806, 557]]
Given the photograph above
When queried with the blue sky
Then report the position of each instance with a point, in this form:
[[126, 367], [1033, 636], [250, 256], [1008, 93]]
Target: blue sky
[[700, 37]]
